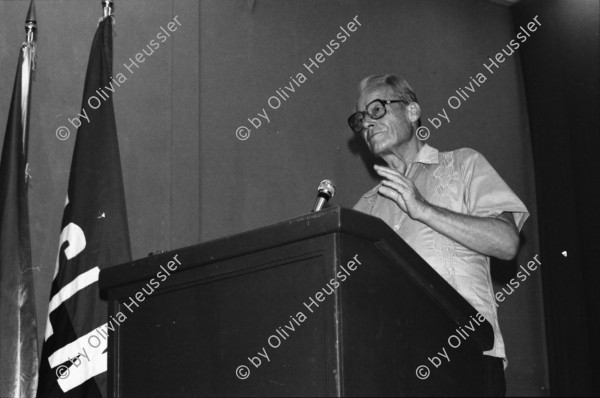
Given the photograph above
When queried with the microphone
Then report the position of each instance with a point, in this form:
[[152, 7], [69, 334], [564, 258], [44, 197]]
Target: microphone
[[325, 192]]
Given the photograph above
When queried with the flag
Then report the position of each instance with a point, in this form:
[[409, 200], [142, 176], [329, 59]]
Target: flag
[[94, 235], [18, 327]]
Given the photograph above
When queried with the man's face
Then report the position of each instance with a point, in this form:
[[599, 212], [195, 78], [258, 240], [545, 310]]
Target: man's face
[[391, 131]]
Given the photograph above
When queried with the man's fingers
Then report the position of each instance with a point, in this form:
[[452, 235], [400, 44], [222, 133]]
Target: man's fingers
[[398, 186], [393, 195], [386, 170], [390, 174], [390, 193]]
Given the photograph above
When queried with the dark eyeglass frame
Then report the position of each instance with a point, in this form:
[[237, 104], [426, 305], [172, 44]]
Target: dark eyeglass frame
[[356, 124]]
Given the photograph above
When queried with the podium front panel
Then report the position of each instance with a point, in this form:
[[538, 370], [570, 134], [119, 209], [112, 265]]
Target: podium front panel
[[190, 338]]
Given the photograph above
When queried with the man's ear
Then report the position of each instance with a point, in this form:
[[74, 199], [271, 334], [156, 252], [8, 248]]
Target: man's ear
[[414, 112]]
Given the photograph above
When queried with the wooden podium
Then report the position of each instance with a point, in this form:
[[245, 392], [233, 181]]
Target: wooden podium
[[260, 314]]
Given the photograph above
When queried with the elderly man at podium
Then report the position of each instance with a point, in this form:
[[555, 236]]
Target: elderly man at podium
[[451, 207]]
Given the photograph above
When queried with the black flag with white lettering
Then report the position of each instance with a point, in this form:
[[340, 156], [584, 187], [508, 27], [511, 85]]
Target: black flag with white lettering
[[94, 235]]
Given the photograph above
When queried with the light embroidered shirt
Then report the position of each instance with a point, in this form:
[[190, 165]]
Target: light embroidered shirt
[[464, 182]]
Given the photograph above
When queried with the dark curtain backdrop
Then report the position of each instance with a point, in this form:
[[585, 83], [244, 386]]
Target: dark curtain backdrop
[[249, 49], [189, 179], [562, 85]]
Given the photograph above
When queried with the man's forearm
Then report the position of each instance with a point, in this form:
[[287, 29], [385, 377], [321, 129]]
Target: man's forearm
[[497, 237], [492, 236]]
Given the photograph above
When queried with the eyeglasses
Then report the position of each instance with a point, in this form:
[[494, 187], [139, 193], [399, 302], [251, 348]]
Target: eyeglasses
[[375, 109]]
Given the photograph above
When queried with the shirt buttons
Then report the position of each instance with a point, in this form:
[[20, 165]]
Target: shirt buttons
[[396, 227]]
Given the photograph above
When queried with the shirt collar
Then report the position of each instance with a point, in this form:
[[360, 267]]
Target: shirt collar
[[427, 155]]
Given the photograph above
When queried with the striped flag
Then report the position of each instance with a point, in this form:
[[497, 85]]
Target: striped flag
[[94, 236], [18, 327]]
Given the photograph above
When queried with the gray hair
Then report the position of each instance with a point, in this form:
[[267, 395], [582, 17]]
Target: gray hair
[[398, 84]]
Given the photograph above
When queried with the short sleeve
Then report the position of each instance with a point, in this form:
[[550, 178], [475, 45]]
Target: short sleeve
[[487, 194]]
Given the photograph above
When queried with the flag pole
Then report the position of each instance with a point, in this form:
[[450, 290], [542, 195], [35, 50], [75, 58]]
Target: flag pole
[[31, 24], [27, 67], [108, 7]]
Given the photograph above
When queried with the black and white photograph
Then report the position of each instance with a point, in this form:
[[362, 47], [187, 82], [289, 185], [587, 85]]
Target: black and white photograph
[[328, 198]]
